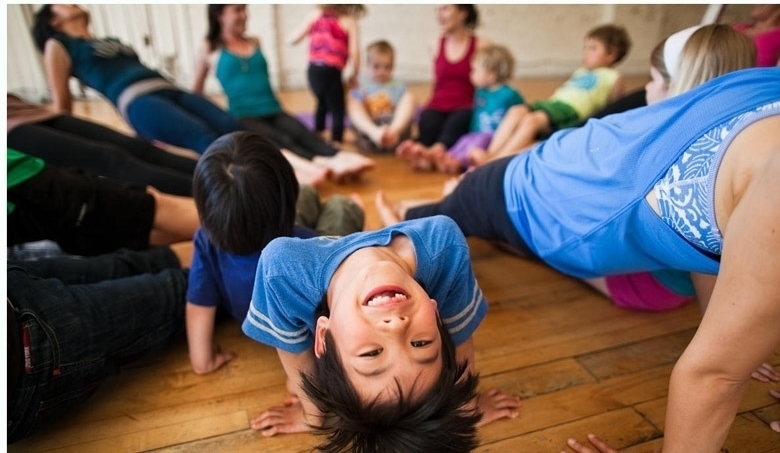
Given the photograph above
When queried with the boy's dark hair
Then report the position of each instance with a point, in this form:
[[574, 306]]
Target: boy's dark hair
[[382, 47], [438, 421], [472, 15], [245, 192], [615, 39], [213, 36], [42, 29]]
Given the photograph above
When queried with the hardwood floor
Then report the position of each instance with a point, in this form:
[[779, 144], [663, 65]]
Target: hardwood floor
[[580, 364]]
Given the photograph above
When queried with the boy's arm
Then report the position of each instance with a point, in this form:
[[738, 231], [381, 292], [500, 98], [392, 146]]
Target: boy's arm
[[205, 356], [358, 115], [298, 413], [404, 113], [57, 65]]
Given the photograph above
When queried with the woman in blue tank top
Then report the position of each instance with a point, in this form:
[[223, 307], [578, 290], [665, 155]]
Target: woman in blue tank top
[[152, 105], [242, 71], [584, 202]]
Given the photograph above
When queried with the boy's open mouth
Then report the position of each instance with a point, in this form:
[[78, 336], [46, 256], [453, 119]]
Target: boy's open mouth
[[386, 295]]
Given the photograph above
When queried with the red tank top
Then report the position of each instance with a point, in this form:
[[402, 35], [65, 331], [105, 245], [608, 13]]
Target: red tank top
[[452, 88]]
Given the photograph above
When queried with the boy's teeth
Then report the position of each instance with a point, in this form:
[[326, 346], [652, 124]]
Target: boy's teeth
[[384, 299]]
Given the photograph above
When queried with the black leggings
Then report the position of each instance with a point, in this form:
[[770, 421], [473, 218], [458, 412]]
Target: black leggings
[[443, 127], [478, 206], [66, 141], [287, 132], [325, 82]]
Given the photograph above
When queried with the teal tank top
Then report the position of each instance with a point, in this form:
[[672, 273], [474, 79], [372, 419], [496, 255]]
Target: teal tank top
[[246, 84]]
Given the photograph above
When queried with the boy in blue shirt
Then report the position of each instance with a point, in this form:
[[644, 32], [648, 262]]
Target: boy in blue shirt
[[246, 194], [374, 331]]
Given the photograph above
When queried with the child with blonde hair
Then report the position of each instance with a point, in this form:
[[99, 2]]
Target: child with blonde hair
[[334, 41], [380, 109]]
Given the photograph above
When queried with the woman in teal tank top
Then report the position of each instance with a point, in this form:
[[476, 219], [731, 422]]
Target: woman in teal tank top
[[242, 71]]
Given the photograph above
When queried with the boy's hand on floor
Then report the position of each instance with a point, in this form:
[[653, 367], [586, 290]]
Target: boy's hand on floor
[[600, 446], [495, 404], [285, 419]]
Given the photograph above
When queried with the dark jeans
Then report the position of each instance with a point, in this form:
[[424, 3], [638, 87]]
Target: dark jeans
[[66, 141], [326, 84], [478, 206], [80, 320], [180, 118], [288, 132], [443, 127], [83, 213]]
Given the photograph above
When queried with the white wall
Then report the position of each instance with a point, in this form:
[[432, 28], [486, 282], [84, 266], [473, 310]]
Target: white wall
[[546, 40]]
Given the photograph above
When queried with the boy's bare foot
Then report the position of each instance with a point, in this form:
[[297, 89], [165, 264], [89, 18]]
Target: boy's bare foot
[[387, 212], [389, 138]]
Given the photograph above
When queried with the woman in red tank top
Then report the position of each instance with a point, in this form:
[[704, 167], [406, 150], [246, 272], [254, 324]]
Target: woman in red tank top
[[447, 115]]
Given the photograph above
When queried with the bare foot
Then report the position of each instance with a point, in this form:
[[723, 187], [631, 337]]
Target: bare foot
[[448, 164], [477, 156], [306, 171], [357, 200], [387, 212], [422, 158], [389, 138], [451, 184], [404, 150], [345, 165]]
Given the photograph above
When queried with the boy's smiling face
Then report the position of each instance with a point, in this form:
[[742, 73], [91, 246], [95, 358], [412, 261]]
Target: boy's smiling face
[[385, 329]]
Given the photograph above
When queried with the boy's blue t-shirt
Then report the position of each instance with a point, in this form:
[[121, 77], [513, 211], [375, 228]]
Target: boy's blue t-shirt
[[380, 99], [219, 278], [490, 106], [293, 276]]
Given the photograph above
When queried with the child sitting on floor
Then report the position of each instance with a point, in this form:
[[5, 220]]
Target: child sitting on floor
[[588, 89], [374, 331], [246, 192], [380, 109], [491, 68]]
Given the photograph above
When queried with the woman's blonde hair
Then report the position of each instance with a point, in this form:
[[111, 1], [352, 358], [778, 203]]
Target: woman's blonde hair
[[712, 51]]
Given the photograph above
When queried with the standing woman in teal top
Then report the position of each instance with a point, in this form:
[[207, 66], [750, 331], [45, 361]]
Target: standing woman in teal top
[[242, 71]]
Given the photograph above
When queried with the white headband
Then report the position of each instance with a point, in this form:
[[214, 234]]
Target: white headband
[[673, 48]]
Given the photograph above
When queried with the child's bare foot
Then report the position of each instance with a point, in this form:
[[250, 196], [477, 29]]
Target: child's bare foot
[[422, 158], [477, 156], [404, 150], [449, 165], [451, 184], [389, 138], [387, 212]]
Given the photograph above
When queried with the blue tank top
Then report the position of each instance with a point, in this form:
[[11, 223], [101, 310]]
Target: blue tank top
[[105, 65], [246, 85], [578, 198]]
